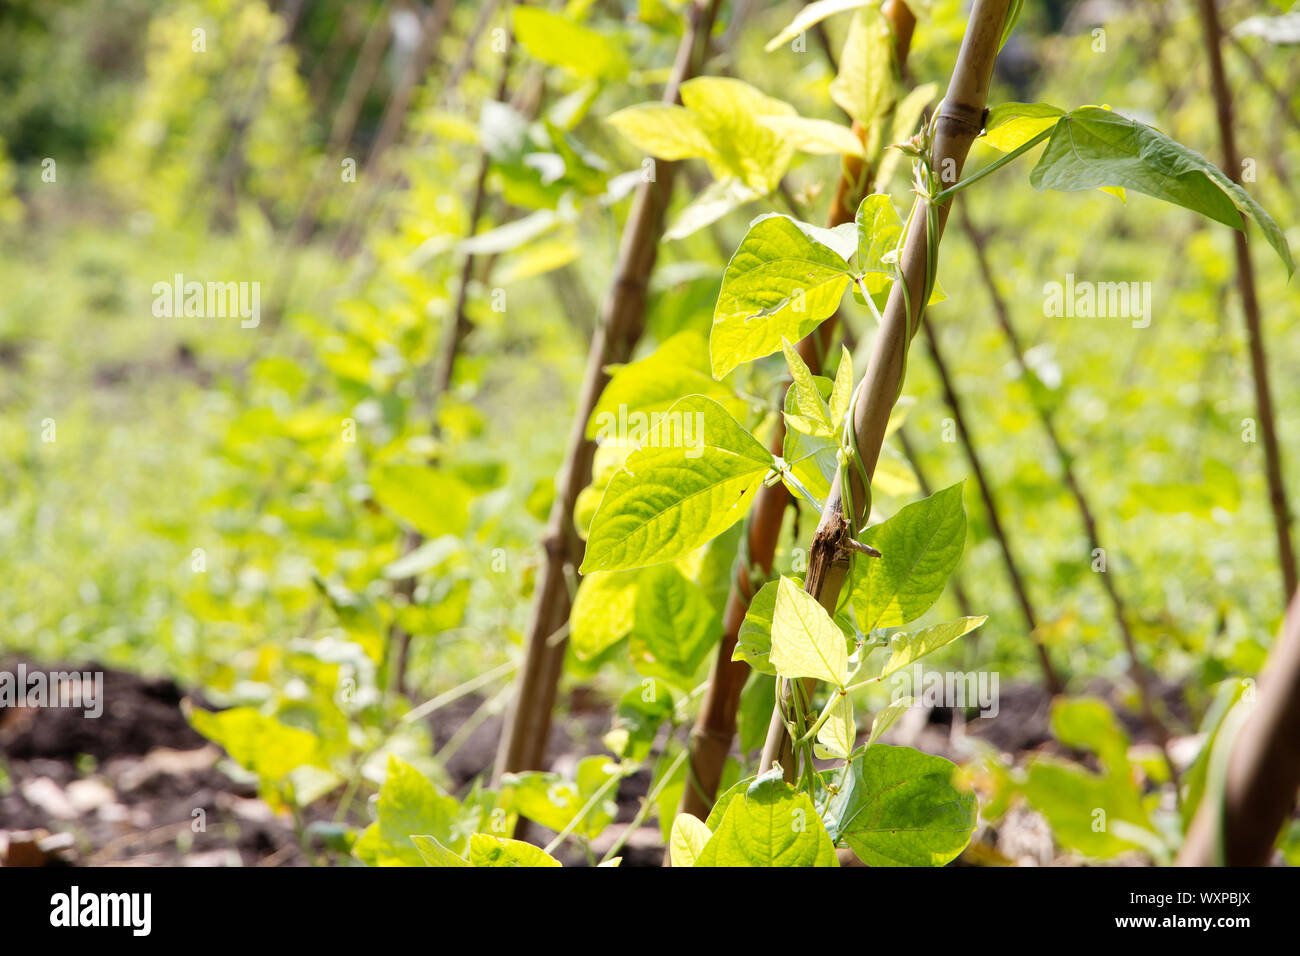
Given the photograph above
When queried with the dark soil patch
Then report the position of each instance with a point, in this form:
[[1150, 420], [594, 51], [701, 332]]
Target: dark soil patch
[[134, 786]]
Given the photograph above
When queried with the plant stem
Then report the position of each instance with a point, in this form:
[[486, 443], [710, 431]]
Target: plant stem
[[993, 166], [959, 121], [647, 804], [601, 792], [1250, 310], [715, 726]]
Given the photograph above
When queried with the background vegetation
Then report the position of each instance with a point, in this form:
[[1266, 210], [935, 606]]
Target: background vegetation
[[231, 508]]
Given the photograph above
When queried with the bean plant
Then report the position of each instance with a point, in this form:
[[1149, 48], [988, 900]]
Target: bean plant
[[680, 443]]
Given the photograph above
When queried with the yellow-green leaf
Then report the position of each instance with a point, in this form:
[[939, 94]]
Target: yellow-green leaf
[[780, 284], [689, 835], [695, 478], [805, 641]]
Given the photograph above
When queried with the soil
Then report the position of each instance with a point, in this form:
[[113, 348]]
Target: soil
[[139, 787], [136, 786]]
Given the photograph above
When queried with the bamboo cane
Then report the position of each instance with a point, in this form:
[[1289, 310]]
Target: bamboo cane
[[1250, 310], [1263, 772], [523, 740], [959, 122], [715, 725]]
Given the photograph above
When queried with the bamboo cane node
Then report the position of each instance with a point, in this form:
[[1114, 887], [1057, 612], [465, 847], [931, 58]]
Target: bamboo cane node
[[714, 734], [555, 547], [960, 119]]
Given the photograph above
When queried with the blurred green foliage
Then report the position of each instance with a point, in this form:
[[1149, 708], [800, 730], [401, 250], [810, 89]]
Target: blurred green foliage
[[209, 505]]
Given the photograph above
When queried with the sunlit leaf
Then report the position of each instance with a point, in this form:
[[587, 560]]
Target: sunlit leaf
[[780, 284], [899, 807], [919, 548], [679, 491], [805, 641], [1094, 147], [769, 824]]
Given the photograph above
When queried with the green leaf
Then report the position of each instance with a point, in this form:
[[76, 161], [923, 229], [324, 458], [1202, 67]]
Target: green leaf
[[445, 610], [666, 501], [552, 801], [359, 616], [641, 712], [718, 199], [1086, 723], [754, 640], [842, 392], [689, 836], [1093, 147], [722, 121], [432, 502], [408, 804], [879, 229], [487, 850], [728, 111], [811, 413], [1194, 779], [755, 714], [839, 732], [1085, 810], [604, 611], [814, 135], [886, 718], [728, 793], [635, 392], [864, 87], [899, 807], [266, 746], [919, 548], [1099, 815], [905, 648], [675, 626], [433, 853], [810, 448], [805, 641], [664, 130], [768, 825], [557, 40], [811, 15], [780, 284], [1010, 125], [1009, 24]]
